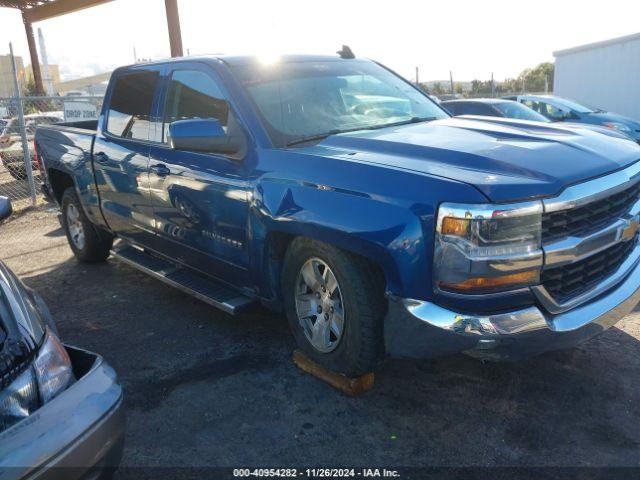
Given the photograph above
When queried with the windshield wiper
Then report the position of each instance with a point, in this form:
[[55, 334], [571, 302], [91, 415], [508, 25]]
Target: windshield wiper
[[311, 138], [322, 136], [403, 122]]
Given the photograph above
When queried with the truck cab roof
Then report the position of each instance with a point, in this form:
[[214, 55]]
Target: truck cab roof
[[239, 60]]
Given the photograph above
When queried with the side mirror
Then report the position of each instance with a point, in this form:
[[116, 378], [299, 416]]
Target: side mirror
[[203, 135], [5, 208]]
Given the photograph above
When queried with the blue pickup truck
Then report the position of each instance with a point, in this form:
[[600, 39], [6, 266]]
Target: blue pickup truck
[[334, 190]]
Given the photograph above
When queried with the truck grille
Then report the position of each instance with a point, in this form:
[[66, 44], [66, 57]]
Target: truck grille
[[588, 218], [566, 282]]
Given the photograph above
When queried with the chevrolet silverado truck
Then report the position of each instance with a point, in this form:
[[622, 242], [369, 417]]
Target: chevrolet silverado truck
[[338, 192]]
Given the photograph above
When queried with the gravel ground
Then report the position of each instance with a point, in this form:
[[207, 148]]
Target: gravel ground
[[204, 388]]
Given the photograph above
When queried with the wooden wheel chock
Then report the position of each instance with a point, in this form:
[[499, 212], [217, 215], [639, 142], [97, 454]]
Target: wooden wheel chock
[[351, 387]]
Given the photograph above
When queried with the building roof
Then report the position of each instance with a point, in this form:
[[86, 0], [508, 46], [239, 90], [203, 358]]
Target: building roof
[[591, 46], [38, 10]]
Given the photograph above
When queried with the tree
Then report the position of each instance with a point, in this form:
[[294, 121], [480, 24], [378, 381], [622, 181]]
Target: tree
[[437, 89]]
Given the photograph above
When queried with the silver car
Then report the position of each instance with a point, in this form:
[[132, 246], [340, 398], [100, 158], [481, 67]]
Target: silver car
[[61, 410]]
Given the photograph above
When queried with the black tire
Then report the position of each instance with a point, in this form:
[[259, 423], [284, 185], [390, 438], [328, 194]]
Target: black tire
[[361, 345], [97, 242]]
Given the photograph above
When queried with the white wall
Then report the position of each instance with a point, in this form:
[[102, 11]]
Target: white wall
[[605, 76]]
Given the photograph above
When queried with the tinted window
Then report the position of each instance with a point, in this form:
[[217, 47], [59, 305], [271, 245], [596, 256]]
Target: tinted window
[[474, 108], [194, 94], [452, 108], [130, 106]]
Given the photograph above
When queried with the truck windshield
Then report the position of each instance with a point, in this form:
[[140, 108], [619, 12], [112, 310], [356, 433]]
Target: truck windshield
[[310, 100]]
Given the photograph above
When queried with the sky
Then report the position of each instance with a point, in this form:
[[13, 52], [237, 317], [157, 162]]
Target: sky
[[473, 39]]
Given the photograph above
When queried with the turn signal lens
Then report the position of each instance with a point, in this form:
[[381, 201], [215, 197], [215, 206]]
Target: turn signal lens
[[455, 226], [483, 284]]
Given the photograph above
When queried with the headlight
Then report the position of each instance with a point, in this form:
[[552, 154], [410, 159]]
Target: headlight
[[53, 368], [487, 248], [621, 127], [50, 374], [19, 399]]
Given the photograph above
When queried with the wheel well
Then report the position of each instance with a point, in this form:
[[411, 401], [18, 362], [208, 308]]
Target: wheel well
[[277, 245], [59, 182]]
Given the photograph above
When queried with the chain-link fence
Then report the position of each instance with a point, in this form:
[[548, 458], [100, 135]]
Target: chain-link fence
[[20, 168]]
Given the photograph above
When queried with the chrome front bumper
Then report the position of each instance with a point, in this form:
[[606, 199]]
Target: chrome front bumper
[[420, 329]]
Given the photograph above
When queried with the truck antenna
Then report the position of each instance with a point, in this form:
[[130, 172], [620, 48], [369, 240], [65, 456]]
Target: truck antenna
[[346, 52]]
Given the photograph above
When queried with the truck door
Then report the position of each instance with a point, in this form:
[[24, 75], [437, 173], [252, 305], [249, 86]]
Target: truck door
[[121, 154], [200, 200]]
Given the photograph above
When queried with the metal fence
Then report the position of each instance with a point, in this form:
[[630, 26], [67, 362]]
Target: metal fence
[[20, 173]]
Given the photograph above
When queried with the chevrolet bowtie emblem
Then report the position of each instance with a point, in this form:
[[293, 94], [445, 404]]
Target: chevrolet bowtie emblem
[[630, 230]]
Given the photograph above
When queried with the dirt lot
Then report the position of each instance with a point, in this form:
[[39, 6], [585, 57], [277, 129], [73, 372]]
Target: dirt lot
[[204, 388]]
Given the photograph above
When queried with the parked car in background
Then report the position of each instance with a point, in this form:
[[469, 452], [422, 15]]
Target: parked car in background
[[10, 128], [496, 107], [60, 406], [13, 160], [559, 109], [492, 107], [336, 191]]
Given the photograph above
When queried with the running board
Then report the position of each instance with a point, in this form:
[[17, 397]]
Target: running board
[[201, 287]]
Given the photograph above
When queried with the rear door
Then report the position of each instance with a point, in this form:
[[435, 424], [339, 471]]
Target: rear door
[[200, 200], [121, 153]]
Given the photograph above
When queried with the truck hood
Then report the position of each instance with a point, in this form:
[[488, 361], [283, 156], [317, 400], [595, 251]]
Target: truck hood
[[506, 159]]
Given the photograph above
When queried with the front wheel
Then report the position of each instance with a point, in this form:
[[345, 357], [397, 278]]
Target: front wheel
[[88, 243], [335, 305]]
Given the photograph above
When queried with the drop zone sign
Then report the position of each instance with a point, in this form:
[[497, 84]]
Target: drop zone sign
[[77, 111]]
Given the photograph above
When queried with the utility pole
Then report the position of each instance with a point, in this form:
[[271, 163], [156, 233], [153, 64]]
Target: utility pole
[[48, 81], [135, 55], [173, 24], [451, 80], [417, 76], [493, 86], [35, 63]]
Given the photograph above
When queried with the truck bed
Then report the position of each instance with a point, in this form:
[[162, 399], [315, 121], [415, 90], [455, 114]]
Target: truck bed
[[67, 149]]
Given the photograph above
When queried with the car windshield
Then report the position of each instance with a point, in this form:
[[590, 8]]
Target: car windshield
[[519, 111], [301, 101], [571, 105]]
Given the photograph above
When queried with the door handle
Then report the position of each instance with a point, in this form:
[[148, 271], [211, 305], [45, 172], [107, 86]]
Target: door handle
[[161, 170], [101, 157]]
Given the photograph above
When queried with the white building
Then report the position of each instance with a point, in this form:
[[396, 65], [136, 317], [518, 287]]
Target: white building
[[603, 74]]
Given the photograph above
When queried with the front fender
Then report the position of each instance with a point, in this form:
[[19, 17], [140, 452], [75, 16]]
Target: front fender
[[393, 231]]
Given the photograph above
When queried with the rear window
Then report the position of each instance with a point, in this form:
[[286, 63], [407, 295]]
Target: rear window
[[130, 106], [475, 108]]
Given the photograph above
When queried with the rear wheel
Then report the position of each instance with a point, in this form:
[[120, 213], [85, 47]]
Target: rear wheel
[[88, 243], [335, 305]]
